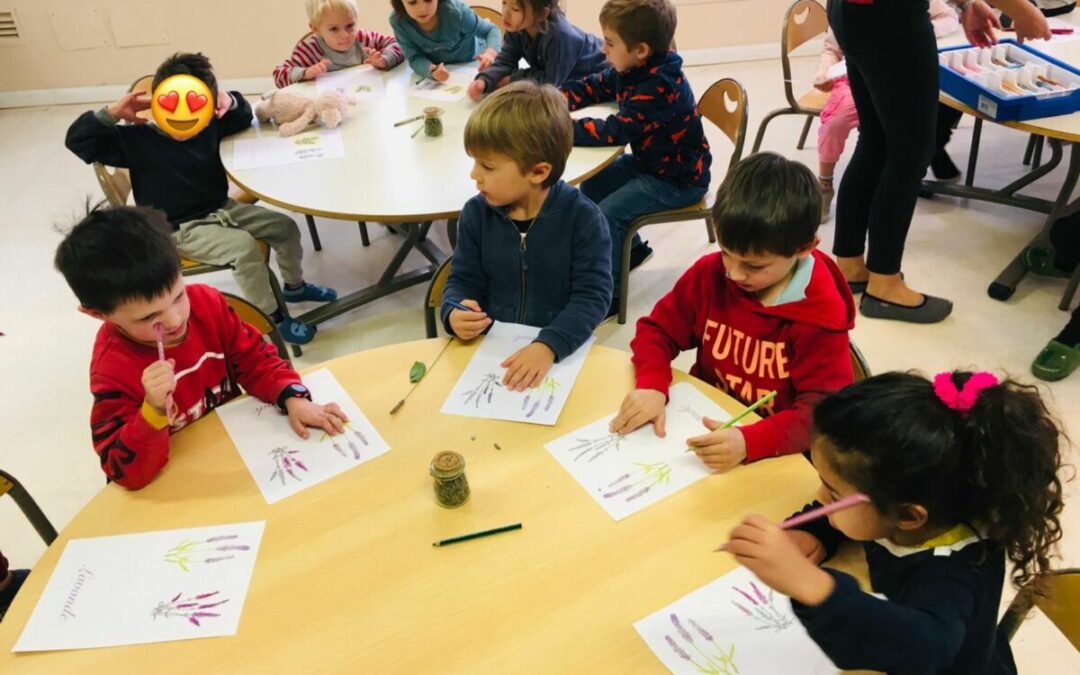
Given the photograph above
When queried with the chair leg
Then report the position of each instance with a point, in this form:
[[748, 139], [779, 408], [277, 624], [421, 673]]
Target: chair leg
[[363, 233], [710, 229], [764, 123], [315, 241], [805, 132], [1029, 149], [429, 322], [279, 298], [1036, 159], [29, 507], [624, 272]]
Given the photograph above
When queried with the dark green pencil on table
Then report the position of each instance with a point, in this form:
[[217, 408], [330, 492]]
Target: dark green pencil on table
[[477, 535]]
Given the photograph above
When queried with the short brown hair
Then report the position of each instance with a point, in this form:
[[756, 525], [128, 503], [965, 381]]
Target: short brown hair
[[527, 122], [636, 21]]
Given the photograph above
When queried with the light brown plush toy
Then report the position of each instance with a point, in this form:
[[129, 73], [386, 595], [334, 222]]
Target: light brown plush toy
[[293, 112]]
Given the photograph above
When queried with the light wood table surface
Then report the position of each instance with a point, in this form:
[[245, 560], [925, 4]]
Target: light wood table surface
[[1060, 131], [386, 175], [347, 579]]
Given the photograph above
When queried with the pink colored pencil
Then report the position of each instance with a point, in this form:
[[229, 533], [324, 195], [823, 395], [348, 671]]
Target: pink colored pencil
[[170, 407], [838, 505]]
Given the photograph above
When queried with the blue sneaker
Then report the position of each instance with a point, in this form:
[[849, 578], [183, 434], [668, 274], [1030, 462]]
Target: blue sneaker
[[296, 332], [310, 293]]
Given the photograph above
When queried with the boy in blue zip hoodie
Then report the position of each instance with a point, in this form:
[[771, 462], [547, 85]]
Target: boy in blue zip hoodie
[[531, 249], [554, 49], [657, 116]]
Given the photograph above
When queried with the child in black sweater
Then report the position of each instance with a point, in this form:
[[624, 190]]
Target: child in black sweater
[[960, 473]]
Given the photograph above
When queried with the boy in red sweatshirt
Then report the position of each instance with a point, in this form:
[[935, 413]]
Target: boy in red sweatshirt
[[769, 312], [123, 266]]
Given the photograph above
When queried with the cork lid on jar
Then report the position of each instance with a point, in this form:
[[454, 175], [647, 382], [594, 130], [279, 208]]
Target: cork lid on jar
[[447, 464]]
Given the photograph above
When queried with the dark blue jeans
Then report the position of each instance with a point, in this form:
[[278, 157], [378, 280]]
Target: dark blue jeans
[[624, 193]]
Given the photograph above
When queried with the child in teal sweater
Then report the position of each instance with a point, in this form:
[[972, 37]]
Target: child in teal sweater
[[436, 32]]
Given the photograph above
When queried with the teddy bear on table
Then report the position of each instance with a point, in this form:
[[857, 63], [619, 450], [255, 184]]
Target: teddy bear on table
[[293, 111]]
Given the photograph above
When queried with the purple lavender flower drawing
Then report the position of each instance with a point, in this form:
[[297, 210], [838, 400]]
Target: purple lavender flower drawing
[[484, 391], [597, 447], [704, 653], [635, 485], [545, 391], [198, 551], [761, 608], [193, 609], [286, 462]]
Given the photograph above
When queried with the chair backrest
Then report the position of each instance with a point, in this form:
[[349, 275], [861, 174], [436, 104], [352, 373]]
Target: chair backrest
[[804, 21], [9, 485], [492, 15], [859, 364], [433, 300], [258, 318], [1060, 604], [725, 105], [143, 85]]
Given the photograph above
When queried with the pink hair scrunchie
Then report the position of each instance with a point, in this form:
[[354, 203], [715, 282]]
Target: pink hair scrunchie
[[962, 400]]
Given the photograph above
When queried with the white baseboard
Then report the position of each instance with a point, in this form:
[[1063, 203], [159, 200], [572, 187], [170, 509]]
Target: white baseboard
[[108, 93]]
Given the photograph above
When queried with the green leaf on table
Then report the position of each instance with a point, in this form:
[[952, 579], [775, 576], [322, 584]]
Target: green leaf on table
[[417, 372]]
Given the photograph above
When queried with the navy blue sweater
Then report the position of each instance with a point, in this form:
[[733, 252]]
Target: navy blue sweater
[[557, 276], [561, 52], [657, 116], [940, 616], [185, 179]]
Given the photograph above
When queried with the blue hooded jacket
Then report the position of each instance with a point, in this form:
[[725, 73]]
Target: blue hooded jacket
[[561, 52], [557, 276]]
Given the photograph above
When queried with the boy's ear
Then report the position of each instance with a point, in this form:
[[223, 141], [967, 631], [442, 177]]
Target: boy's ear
[[539, 173], [807, 249], [642, 51], [97, 314], [911, 516]]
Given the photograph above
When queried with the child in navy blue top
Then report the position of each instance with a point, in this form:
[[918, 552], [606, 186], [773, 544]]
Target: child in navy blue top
[[658, 117], [555, 49], [436, 32], [961, 474], [531, 249]]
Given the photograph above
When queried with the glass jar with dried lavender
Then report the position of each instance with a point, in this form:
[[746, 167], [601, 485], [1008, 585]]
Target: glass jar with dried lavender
[[433, 121], [451, 486]]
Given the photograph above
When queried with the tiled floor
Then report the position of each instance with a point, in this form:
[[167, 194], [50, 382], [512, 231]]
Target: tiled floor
[[954, 250]]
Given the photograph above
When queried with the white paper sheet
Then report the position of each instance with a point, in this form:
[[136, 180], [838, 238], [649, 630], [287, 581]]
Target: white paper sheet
[[479, 391], [363, 82], [147, 587], [451, 91], [734, 625], [281, 462], [624, 474], [273, 150]]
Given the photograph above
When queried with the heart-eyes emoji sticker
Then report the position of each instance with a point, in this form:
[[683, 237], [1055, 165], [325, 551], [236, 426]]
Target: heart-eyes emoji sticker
[[182, 106]]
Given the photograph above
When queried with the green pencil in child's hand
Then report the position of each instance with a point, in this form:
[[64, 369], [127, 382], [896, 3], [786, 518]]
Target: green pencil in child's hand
[[749, 409]]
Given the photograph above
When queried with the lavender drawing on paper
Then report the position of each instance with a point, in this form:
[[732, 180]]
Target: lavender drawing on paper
[[216, 549], [193, 609]]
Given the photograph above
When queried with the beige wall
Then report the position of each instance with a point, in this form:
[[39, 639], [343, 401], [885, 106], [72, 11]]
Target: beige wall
[[246, 38]]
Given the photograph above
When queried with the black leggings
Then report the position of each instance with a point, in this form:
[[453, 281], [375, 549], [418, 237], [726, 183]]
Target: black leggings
[[893, 71]]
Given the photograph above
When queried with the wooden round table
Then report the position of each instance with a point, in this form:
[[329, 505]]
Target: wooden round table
[[347, 579], [387, 175]]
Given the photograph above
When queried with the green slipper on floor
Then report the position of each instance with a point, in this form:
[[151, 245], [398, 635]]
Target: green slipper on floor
[[1040, 260], [1055, 362]]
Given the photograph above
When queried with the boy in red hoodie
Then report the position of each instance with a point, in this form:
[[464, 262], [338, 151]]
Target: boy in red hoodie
[[123, 266], [769, 312]]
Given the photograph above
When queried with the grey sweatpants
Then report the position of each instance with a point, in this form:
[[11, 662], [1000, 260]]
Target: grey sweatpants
[[228, 237]]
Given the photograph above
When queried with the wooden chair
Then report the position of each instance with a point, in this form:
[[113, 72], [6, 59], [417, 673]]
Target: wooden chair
[[116, 184], [258, 318], [433, 298], [859, 365], [492, 15], [804, 21], [1061, 605], [9, 485], [725, 105]]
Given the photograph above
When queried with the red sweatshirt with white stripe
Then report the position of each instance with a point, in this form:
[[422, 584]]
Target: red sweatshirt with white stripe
[[219, 352], [311, 49]]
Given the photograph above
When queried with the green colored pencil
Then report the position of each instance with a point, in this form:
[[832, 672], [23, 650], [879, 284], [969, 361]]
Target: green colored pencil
[[477, 535], [749, 409]]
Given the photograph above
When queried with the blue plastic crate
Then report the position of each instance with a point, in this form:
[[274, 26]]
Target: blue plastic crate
[[978, 90]]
